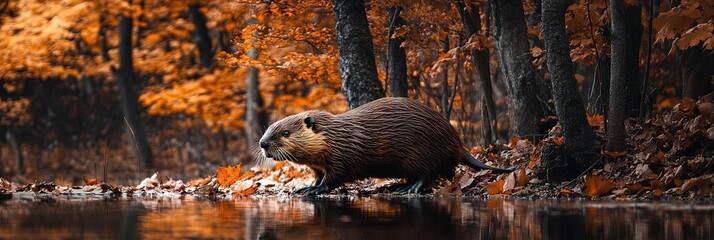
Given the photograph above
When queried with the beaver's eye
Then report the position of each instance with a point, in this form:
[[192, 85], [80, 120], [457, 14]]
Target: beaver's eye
[[286, 133]]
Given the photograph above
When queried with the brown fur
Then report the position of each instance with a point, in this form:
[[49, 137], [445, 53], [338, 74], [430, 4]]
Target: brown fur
[[386, 138]]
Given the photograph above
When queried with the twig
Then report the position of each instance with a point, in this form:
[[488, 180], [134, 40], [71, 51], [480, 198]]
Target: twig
[[456, 84], [646, 77], [105, 160], [136, 145], [584, 172]]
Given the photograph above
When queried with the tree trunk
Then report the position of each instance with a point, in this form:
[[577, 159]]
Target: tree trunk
[[621, 77], [444, 79], [633, 40], [397, 72], [127, 98], [255, 116], [579, 137], [10, 137], [511, 37], [697, 69], [203, 40], [470, 18], [357, 65]]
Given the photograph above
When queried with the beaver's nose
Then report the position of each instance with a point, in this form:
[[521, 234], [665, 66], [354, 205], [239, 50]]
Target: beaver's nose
[[264, 144]]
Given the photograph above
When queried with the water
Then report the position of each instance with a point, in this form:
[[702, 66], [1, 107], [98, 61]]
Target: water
[[349, 218]]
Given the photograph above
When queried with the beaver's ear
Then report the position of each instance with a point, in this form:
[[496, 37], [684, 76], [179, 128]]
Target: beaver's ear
[[310, 123]]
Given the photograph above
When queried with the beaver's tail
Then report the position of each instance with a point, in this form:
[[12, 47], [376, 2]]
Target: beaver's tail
[[472, 162]]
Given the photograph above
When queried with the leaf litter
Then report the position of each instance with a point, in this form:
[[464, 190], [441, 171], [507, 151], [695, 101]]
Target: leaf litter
[[669, 156]]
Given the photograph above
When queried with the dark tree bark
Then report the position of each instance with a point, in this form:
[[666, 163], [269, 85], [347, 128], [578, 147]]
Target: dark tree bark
[[203, 40], [579, 137], [697, 69], [397, 72], [10, 137], [357, 65], [511, 37], [444, 80], [480, 58], [255, 116], [128, 101], [633, 40], [616, 114]]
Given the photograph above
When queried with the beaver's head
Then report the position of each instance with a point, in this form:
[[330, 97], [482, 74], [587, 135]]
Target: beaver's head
[[298, 138]]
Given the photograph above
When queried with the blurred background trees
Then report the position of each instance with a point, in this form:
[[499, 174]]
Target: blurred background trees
[[198, 81]]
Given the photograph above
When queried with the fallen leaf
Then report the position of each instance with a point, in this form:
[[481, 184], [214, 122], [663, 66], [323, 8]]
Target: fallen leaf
[[614, 154], [246, 175], [495, 187], [90, 181], [635, 187], [597, 186], [248, 191], [510, 182], [558, 140], [535, 157], [686, 105], [228, 175], [522, 179], [566, 192], [149, 183], [241, 186], [620, 192], [702, 183], [594, 120]]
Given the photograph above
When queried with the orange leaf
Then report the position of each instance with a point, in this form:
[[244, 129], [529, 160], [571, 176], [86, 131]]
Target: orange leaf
[[495, 187], [558, 140], [228, 175], [248, 191], [535, 157], [614, 154], [279, 165], [513, 142], [90, 181], [597, 186], [522, 178], [246, 175], [596, 119]]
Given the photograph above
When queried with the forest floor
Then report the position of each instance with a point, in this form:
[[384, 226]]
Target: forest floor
[[669, 157]]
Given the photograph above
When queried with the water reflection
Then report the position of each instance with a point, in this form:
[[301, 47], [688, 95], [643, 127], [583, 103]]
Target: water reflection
[[350, 218]]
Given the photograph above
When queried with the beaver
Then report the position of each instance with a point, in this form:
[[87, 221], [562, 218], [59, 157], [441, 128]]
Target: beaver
[[386, 138]]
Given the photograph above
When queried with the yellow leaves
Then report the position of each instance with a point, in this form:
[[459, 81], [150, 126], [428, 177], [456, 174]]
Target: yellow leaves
[[228, 175], [596, 185]]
